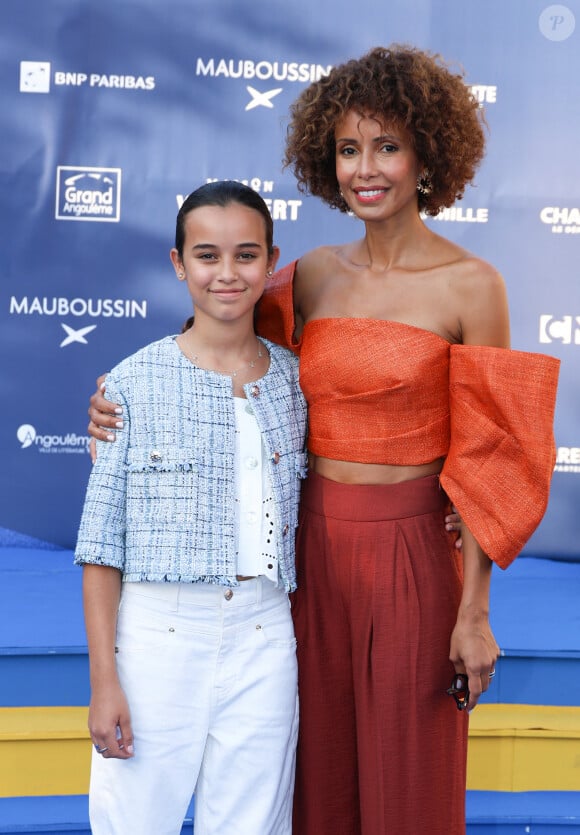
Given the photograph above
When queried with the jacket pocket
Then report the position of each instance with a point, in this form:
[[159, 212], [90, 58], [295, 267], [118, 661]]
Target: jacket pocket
[[160, 460], [161, 487]]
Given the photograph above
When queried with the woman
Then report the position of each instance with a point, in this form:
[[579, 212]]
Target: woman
[[414, 400]]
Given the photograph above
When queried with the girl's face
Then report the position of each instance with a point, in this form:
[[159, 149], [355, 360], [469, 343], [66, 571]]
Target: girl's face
[[225, 261], [376, 167]]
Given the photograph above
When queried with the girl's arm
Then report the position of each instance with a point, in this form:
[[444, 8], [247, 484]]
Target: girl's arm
[[109, 717]]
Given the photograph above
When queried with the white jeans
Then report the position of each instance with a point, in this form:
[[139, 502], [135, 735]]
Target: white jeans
[[210, 677]]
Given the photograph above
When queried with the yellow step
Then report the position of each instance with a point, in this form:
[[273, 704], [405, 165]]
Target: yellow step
[[523, 748], [44, 751], [47, 750]]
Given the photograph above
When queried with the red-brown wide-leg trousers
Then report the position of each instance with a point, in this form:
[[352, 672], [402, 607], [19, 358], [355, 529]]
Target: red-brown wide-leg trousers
[[382, 747]]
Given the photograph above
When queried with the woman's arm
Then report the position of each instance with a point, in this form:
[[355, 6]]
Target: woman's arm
[[109, 717], [484, 320], [474, 649]]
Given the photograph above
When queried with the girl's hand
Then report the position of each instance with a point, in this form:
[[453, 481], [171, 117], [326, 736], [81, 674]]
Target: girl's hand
[[110, 723]]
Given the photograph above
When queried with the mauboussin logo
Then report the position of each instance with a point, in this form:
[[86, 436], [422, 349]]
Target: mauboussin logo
[[88, 193], [28, 436]]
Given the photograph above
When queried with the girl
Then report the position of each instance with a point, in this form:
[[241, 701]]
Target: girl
[[187, 543]]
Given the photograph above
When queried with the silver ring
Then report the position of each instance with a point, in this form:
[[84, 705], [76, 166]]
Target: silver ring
[[492, 673], [101, 750]]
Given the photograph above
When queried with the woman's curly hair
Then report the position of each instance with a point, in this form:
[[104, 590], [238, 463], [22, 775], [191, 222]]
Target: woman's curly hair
[[401, 85]]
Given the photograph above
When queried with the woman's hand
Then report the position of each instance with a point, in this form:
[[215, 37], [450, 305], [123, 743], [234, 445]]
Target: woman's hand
[[474, 651], [104, 417], [453, 523], [110, 723]]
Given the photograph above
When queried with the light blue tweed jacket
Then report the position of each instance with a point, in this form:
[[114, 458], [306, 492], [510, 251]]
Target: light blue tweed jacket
[[160, 500]]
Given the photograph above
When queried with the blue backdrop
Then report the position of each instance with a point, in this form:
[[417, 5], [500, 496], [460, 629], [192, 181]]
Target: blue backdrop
[[114, 110]]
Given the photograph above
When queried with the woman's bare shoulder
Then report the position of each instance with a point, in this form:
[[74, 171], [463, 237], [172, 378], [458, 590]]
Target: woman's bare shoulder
[[317, 260], [482, 305], [472, 274]]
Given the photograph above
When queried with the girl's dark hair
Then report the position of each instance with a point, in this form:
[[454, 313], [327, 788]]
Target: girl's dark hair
[[401, 85], [223, 193]]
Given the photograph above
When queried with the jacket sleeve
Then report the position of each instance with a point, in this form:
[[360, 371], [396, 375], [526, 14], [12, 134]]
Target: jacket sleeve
[[101, 537], [502, 451], [275, 313]]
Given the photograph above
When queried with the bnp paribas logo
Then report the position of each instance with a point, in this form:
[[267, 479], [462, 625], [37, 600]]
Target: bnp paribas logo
[[35, 76], [88, 193]]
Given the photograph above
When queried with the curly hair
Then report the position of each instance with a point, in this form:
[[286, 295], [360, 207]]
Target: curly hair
[[400, 85]]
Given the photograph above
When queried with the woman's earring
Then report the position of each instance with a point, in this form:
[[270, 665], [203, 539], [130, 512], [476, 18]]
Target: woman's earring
[[181, 276], [269, 273], [424, 185]]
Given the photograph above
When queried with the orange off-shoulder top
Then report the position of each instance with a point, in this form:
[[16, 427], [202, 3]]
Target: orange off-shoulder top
[[384, 392]]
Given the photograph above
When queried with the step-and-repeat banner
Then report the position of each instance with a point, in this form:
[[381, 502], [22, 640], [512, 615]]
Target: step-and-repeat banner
[[112, 111]]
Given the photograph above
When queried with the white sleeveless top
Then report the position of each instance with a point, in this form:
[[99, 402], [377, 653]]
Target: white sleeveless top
[[255, 546]]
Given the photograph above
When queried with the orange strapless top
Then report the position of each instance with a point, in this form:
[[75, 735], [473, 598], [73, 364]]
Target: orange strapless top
[[384, 392]]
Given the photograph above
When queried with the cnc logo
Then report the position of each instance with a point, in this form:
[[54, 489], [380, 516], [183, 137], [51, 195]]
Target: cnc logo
[[565, 330], [35, 77], [70, 443], [563, 220], [261, 71], [88, 194]]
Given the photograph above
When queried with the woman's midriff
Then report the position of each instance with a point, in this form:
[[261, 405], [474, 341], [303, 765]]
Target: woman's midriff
[[353, 472]]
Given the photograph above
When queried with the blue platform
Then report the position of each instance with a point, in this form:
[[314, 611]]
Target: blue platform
[[43, 662], [535, 607], [43, 648], [66, 815]]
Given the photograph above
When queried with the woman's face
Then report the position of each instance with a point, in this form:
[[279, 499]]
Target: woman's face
[[376, 167], [225, 261]]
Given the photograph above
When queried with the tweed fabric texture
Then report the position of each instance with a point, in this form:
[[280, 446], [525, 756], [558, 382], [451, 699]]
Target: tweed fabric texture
[[390, 393], [160, 500]]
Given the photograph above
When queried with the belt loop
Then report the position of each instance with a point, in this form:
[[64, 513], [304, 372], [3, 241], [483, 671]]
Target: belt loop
[[259, 589]]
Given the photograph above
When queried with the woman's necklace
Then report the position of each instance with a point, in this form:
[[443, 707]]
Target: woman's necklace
[[252, 364]]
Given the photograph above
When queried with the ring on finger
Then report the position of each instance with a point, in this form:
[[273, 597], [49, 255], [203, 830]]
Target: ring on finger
[[100, 750]]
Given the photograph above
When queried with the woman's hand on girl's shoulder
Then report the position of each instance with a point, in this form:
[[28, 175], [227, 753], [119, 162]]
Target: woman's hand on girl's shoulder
[[105, 417]]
